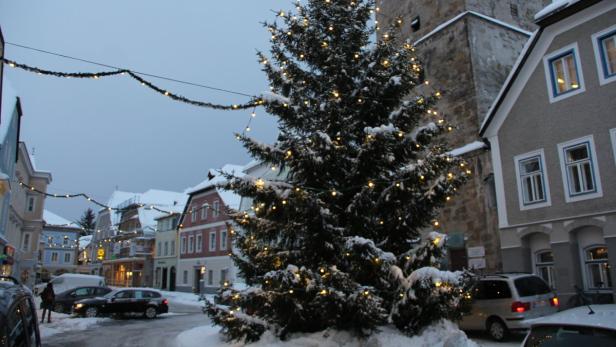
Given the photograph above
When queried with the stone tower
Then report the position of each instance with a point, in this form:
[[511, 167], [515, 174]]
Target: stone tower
[[467, 48]]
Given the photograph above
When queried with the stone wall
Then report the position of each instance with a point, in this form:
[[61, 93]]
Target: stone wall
[[468, 60]]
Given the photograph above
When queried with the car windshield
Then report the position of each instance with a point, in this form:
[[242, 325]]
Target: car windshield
[[531, 285], [570, 336]]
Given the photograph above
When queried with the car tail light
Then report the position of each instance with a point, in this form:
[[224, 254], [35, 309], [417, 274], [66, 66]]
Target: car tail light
[[554, 301], [520, 307], [165, 302]]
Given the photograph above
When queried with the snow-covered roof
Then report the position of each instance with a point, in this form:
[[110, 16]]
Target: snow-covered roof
[[84, 241], [9, 101], [469, 147], [229, 198], [51, 218], [555, 6]]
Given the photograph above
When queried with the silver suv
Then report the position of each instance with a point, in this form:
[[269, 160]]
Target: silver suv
[[505, 302]]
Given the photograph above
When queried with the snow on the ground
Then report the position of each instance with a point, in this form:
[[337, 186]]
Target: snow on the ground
[[63, 322], [185, 298], [442, 334]]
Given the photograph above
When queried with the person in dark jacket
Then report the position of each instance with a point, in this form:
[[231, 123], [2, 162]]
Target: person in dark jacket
[[47, 297]]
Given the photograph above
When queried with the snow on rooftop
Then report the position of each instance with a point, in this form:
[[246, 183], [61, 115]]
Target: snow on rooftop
[[554, 7], [470, 147], [51, 218], [84, 241], [9, 100], [229, 198]]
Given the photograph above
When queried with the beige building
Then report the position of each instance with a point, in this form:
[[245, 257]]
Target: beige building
[[166, 250], [25, 217], [553, 137]]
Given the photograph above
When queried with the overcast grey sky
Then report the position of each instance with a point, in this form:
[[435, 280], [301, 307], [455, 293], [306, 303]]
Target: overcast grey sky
[[94, 135]]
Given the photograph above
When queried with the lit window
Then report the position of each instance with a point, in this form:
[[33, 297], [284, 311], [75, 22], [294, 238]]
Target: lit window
[[563, 73], [598, 268], [604, 43], [580, 170], [544, 265]]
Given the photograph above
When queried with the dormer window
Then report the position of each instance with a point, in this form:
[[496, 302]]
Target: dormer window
[[563, 73]]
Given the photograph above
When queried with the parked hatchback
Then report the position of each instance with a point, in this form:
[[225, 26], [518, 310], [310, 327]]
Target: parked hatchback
[[64, 301], [143, 301], [18, 322], [591, 326], [506, 302]]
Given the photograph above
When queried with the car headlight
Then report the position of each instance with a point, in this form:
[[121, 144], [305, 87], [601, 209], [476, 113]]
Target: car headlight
[[78, 305]]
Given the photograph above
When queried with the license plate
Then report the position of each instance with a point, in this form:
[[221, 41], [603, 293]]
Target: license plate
[[542, 303]]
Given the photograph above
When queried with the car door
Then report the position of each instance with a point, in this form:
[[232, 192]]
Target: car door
[[142, 298], [121, 302]]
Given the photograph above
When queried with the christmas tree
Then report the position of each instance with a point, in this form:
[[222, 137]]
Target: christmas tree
[[335, 242]]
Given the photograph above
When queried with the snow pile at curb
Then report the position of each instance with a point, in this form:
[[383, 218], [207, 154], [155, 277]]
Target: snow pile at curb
[[442, 334], [63, 322]]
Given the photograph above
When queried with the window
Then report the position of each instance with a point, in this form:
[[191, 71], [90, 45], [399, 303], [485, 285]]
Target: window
[[223, 276], [563, 73], [65, 241], [67, 257], [199, 242], [204, 208], [533, 191], [172, 247], [183, 245], [54, 257], [193, 214], [25, 245], [216, 208], [185, 277], [488, 290], [210, 277], [604, 43], [191, 244], [579, 169], [166, 253], [223, 240], [212, 241], [31, 203], [513, 8], [126, 294], [597, 267], [159, 249], [544, 267]]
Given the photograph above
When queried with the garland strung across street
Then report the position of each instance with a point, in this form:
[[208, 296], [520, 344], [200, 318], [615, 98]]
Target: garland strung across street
[[254, 102]]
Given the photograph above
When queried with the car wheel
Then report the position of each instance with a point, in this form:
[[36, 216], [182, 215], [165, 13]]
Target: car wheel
[[91, 312], [58, 308], [497, 329], [150, 312]]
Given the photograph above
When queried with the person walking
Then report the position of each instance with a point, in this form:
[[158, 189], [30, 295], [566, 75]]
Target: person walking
[[47, 297]]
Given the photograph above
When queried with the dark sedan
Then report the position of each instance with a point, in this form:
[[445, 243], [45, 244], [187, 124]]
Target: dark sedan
[[123, 301], [65, 300]]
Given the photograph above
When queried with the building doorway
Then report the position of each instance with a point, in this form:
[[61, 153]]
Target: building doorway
[[164, 279], [172, 279]]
